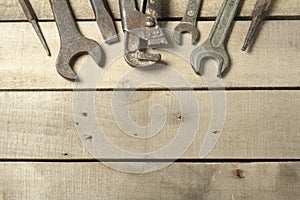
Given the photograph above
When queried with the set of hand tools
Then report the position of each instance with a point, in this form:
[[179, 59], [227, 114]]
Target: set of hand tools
[[142, 32]]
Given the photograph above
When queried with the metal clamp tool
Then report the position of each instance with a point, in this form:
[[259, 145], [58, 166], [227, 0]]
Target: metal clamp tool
[[141, 32], [73, 43], [215, 46]]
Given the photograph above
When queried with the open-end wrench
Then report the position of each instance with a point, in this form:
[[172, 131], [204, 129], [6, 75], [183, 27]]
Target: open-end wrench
[[189, 22], [105, 21], [215, 46], [73, 43]]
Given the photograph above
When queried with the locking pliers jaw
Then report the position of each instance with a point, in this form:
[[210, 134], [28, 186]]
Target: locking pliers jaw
[[141, 32]]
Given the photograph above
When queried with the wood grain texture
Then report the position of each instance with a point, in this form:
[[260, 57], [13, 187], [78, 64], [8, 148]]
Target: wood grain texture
[[72, 181], [258, 124], [273, 61], [11, 10]]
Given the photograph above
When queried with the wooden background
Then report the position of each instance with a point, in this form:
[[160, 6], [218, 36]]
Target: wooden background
[[42, 156]]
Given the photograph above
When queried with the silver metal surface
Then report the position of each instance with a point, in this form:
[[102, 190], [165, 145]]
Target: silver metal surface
[[141, 32], [189, 22]]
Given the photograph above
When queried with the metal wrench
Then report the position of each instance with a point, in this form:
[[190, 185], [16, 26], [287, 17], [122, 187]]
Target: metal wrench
[[105, 21], [189, 22], [73, 43], [215, 46]]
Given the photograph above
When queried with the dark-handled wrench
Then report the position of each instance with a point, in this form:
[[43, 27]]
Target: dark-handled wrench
[[105, 21], [72, 42], [189, 22], [215, 46]]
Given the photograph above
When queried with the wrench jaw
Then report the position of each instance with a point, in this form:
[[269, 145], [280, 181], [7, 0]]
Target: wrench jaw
[[199, 56], [137, 41], [186, 28], [72, 51], [142, 32], [140, 59]]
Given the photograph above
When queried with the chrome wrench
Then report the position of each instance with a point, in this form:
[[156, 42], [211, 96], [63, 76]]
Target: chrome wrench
[[189, 22], [215, 46]]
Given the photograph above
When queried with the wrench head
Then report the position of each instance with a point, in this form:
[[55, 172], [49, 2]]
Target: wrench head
[[72, 51], [186, 28], [202, 53]]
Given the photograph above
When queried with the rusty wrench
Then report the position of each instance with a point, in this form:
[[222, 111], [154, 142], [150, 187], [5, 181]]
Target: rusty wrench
[[215, 46], [189, 22], [105, 21], [73, 43]]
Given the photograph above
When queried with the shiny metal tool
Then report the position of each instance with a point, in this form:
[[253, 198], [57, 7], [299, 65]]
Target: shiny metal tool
[[259, 13], [32, 18], [141, 32], [215, 46], [105, 21], [189, 22], [72, 43]]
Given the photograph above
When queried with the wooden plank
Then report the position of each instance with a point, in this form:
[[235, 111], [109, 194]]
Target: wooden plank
[[258, 124], [11, 10], [178, 181], [273, 62]]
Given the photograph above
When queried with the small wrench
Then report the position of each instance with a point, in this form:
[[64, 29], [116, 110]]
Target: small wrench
[[73, 43], [189, 22], [215, 46]]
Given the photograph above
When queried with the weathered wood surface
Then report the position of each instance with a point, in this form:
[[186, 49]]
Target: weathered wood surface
[[258, 124], [11, 10], [274, 61], [72, 181]]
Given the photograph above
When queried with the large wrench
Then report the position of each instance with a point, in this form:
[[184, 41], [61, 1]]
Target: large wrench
[[189, 22], [72, 43], [215, 46]]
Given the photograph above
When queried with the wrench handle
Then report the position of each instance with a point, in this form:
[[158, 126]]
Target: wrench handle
[[192, 11], [65, 21], [223, 24]]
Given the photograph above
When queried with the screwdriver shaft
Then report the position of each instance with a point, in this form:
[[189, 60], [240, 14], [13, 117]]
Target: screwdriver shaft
[[259, 13], [32, 18]]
